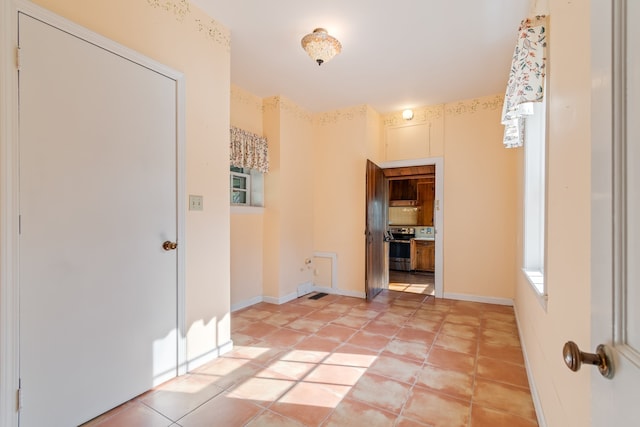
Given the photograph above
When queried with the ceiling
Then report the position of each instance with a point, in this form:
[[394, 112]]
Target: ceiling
[[395, 54]]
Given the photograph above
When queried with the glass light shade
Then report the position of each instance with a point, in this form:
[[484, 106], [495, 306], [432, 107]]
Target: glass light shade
[[407, 114], [320, 46]]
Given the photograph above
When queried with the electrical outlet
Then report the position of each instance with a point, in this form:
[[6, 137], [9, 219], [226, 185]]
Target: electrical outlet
[[195, 203]]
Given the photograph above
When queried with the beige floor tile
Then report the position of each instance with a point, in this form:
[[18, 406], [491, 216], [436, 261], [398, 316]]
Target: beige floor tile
[[182, 395], [504, 397], [381, 328], [315, 343], [408, 349], [283, 337], [501, 371], [403, 360], [512, 354], [227, 372], [369, 340], [335, 374], [350, 413], [459, 345], [286, 370], [131, 414], [369, 390], [336, 332], [389, 365], [452, 360], [452, 383], [261, 391], [271, 419], [436, 409], [222, 411], [460, 331], [410, 334], [485, 417]]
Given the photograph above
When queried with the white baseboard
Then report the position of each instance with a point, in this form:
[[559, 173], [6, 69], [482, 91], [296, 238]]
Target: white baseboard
[[476, 298], [246, 303], [342, 292], [282, 299], [209, 356], [537, 404]]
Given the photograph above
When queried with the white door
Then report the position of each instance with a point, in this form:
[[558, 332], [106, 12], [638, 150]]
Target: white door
[[615, 278], [97, 146]]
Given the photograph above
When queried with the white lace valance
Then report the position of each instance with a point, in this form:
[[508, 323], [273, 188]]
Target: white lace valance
[[248, 150], [526, 79]]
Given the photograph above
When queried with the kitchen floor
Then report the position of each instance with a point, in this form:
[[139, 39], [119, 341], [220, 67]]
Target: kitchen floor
[[414, 282], [405, 360]]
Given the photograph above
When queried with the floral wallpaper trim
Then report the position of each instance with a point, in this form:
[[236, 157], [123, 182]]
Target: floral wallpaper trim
[[278, 102], [333, 117], [215, 31], [246, 98], [526, 79], [474, 105], [420, 115], [248, 150]]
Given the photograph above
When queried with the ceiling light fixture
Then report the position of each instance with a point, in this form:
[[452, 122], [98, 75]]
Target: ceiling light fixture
[[407, 114], [320, 46]]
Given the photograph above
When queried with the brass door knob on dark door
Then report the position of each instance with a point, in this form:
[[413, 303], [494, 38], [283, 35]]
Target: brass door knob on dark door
[[169, 246], [574, 358]]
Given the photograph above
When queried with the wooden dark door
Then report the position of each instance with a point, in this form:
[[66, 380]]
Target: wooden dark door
[[376, 260]]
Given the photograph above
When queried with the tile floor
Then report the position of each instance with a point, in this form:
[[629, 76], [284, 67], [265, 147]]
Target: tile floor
[[404, 360], [414, 282]]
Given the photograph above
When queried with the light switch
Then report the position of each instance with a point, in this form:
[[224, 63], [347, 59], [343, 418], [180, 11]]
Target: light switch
[[195, 203]]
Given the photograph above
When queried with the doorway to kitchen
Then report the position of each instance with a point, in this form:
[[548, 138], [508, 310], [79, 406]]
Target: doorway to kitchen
[[414, 226]]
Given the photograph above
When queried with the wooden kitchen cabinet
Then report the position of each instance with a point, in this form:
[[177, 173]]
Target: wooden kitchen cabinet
[[423, 254], [403, 189], [426, 196]]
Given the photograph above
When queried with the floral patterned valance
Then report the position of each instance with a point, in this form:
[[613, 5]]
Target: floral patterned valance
[[526, 79], [249, 150]]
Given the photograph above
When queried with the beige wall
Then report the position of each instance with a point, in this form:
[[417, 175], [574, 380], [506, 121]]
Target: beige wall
[[479, 201], [565, 396], [174, 37], [288, 218], [479, 197], [343, 141], [247, 225]]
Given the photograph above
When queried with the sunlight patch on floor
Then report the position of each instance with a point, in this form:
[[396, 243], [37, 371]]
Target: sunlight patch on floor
[[302, 377]]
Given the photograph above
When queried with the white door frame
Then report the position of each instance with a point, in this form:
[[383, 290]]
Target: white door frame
[[439, 210], [9, 208]]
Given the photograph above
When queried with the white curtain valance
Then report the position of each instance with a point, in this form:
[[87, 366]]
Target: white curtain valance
[[526, 79], [248, 150]]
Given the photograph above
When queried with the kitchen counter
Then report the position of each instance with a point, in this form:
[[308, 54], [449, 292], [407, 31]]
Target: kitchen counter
[[428, 239]]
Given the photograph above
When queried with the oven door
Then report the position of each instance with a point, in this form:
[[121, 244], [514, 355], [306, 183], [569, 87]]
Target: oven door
[[399, 255]]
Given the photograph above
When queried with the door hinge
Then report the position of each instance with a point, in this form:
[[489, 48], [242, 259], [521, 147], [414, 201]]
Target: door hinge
[[19, 397], [18, 58]]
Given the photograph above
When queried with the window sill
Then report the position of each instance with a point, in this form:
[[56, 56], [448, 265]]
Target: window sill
[[247, 210], [536, 282]]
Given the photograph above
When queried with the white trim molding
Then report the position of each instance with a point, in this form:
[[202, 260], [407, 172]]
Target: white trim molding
[[334, 266], [478, 298], [439, 211]]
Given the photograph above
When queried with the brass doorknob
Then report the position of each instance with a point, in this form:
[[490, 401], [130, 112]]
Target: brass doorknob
[[574, 358], [169, 246]]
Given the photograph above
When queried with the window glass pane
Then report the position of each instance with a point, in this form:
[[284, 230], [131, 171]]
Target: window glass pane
[[239, 197], [239, 182]]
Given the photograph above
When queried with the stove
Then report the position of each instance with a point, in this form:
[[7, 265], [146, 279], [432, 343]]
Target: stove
[[400, 248]]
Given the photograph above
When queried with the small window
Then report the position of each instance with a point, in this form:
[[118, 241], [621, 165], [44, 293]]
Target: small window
[[246, 187], [535, 196]]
